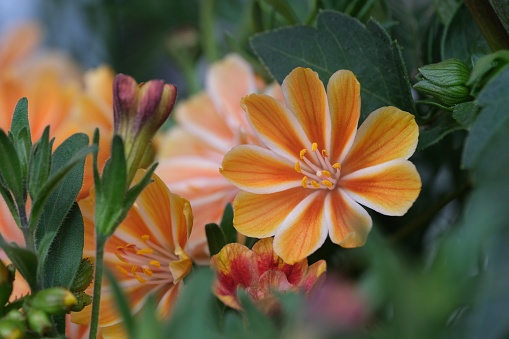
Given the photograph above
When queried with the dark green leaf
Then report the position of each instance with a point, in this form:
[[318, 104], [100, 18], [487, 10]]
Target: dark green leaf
[[486, 68], [40, 164], [215, 238], [433, 133], [341, 42], [10, 203], [60, 201], [65, 253], [445, 9], [24, 260], [115, 174], [465, 113], [20, 118], [20, 129], [257, 322], [486, 146], [283, 8], [190, 321], [10, 167], [226, 224], [501, 7], [121, 302]]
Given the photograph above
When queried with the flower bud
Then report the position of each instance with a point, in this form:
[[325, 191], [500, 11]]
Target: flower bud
[[54, 300], [83, 301], [6, 279], [138, 112], [446, 81], [39, 321], [16, 315], [11, 329], [84, 276]]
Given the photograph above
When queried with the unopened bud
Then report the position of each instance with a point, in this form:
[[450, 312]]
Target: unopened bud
[[445, 81], [11, 329], [39, 321], [54, 300], [16, 315], [84, 276], [83, 301]]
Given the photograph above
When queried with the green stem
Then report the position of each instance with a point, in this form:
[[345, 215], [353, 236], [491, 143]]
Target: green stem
[[207, 30], [489, 24], [99, 255], [27, 233]]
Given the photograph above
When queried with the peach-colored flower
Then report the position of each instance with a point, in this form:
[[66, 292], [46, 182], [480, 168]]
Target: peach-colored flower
[[261, 273], [147, 252], [209, 125], [318, 167]]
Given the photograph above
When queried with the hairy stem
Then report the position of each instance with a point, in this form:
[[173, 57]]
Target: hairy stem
[[99, 252], [489, 24]]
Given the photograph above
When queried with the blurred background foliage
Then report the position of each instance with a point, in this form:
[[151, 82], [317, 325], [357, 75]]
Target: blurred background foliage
[[439, 271]]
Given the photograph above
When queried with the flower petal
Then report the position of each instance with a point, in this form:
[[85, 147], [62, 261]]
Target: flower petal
[[349, 223], [305, 96], [343, 94], [390, 188], [168, 301], [275, 125], [314, 273], [387, 134], [272, 282], [303, 231], [257, 215], [258, 170]]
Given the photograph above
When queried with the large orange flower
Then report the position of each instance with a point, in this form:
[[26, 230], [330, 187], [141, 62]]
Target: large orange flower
[[147, 252], [209, 125], [318, 167]]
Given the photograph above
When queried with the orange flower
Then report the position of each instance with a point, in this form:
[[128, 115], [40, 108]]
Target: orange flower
[[319, 167], [147, 252], [209, 125], [262, 273]]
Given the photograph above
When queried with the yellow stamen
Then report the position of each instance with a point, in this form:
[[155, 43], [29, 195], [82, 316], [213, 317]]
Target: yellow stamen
[[305, 182], [315, 184], [121, 270], [145, 251], [302, 153], [130, 246], [326, 173], [327, 183], [121, 258], [133, 270], [140, 279], [324, 153], [120, 248], [155, 263], [145, 237], [297, 167], [147, 272], [338, 166], [314, 147]]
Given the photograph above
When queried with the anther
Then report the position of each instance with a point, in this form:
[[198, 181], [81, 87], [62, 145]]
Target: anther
[[324, 153], [302, 152], [133, 269], [326, 173], [338, 166], [327, 183], [314, 147], [305, 182], [121, 269], [145, 251], [140, 279], [155, 263], [121, 258], [297, 167], [145, 237], [147, 272], [315, 184]]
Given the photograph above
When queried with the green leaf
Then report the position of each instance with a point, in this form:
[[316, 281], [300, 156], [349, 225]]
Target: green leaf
[[283, 8], [226, 224], [24, 260], [486, 68], [10, 168], [460, 37], [256, 321], [434, 132], [121, 302], [486, 148], [341, 42], [65, 253], [20, 129], [465, 113], [190, 321], [9, 201], [445, 9], [215, 238], [502, 9], [40, 164], [149, 326], [61, 200], [20, 117]]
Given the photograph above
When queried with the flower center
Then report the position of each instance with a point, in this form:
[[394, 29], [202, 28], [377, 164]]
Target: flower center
[[148, 265], [324, 176]]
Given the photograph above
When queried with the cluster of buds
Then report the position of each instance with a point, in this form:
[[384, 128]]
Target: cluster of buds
[[139, 110], [446, 81]]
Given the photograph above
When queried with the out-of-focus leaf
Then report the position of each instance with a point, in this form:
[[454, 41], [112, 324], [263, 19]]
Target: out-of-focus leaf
[[149, 326], [190, 321], [66, 250], [256, 321], [121, 303], [465, 113], [433, 133], [461, 36], [341, 42], [215, 238], [20, 129], [501, 7], [445, 9], [24, 260], [486, 68], [227, 224], [10, 167], [486, 148]]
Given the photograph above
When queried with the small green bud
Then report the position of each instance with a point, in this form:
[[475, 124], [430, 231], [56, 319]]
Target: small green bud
[[83, 301], [39, 321], [54, 300], [11, 329], [445, 81], [84, 276], [15, 315], [6, 279]]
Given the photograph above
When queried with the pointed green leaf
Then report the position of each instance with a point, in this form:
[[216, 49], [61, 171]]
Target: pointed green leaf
[[229, 231], [10, 168], [65, 252], [215, 238], [149, 326], [20, 117], [9, 201], [24, 260], [40, 164], [135, 191], [341, 42], [115, 175]]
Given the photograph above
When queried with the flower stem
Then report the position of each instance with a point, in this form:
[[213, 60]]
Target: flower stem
[[25, 228], [489, 24], [207, 30], [99, 254]]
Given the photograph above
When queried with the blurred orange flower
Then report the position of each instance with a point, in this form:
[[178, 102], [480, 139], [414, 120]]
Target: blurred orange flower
[[148, 252], [318, 167], [209, 125], [261, 273]]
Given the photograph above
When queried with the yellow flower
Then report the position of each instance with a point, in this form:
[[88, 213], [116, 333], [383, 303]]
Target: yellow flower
[[147, 252], [318, 167], [209, 125]]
